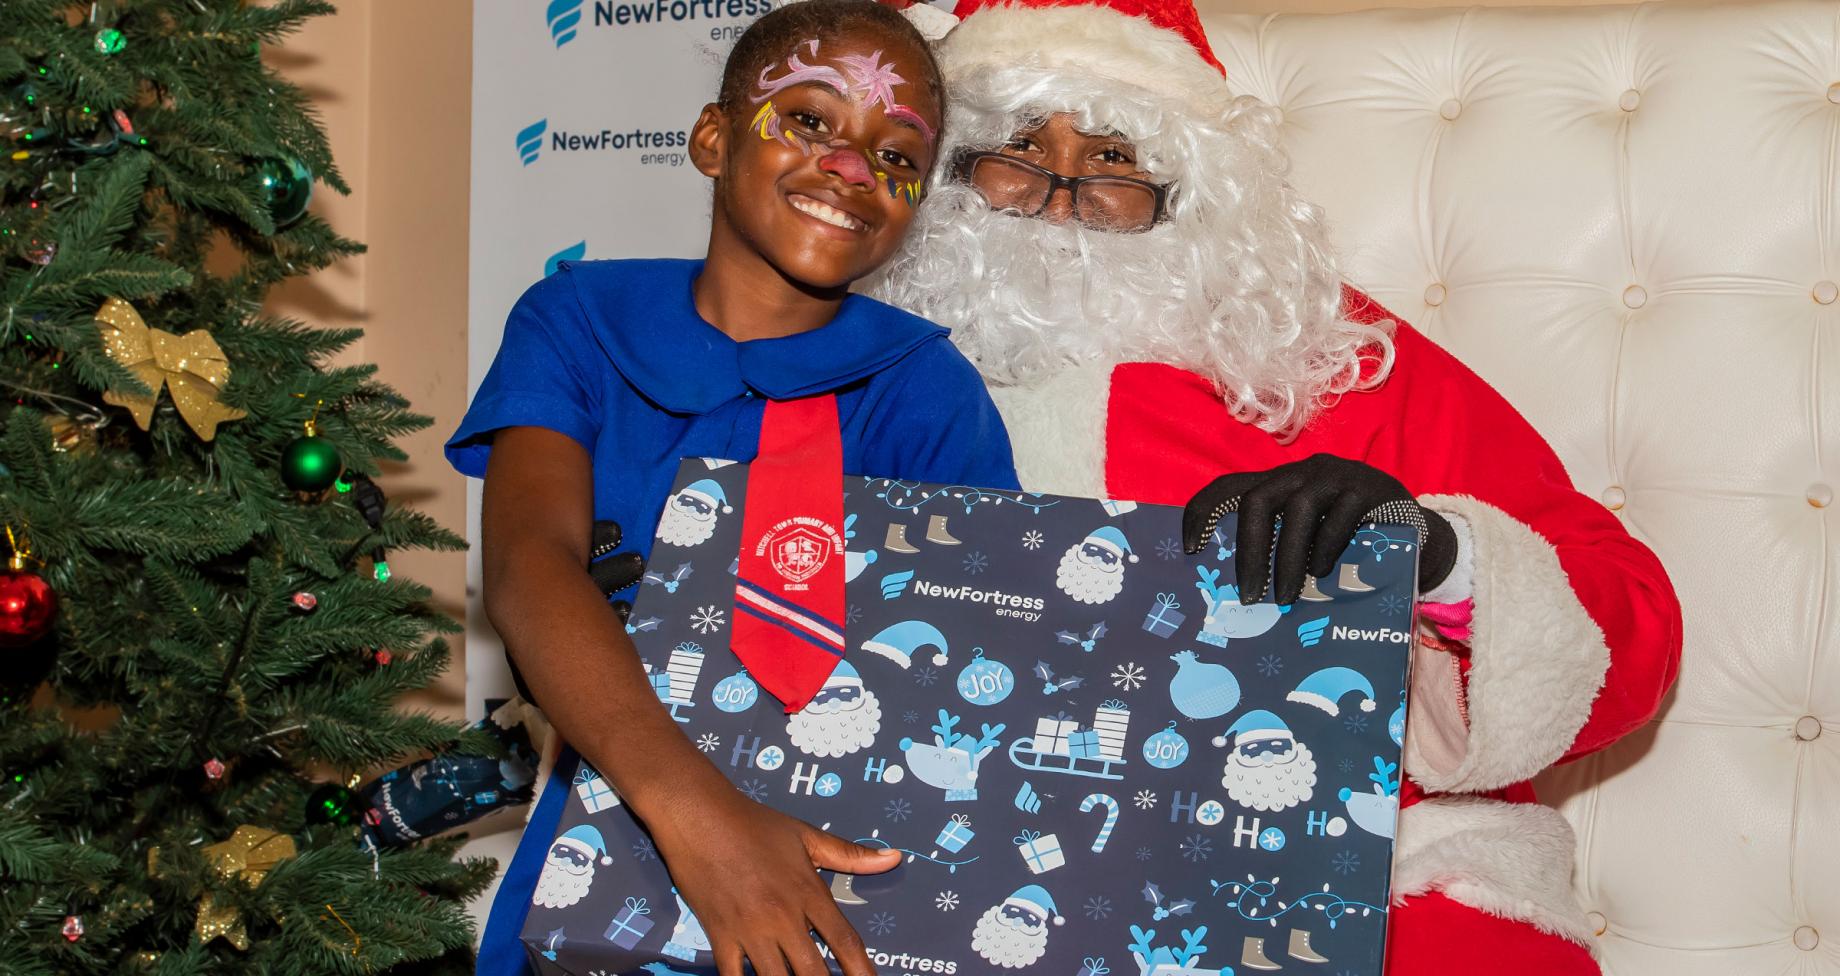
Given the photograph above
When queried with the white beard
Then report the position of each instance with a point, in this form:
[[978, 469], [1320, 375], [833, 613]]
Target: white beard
[[1003, 945], [836, 734], [679, 528], [1085, 582], [559, 886], [1279, 786]]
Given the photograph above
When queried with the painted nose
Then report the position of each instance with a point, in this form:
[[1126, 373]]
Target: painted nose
[[850, 165]]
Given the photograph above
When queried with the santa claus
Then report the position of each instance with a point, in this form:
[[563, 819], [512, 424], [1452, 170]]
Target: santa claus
[[843, 717], [1113, 242]]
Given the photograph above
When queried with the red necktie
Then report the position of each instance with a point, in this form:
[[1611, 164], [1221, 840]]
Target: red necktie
[[789, 591]]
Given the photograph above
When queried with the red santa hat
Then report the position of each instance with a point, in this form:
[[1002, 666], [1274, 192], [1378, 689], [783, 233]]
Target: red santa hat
[[1152, 44]]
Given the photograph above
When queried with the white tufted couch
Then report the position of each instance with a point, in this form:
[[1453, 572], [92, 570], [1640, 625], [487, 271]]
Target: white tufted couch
[[1628, 219]]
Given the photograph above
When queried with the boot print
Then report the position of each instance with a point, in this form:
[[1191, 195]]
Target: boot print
[[1252, 956], [843, 890], [1350, 579], [897, 539], [1300, 947], [936, 532], [1313, 593]]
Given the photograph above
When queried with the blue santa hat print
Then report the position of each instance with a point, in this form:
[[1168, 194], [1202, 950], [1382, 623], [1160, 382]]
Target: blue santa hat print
[[709, 491], [898, 642], [589, 839], [843, 675], [1254, 725], [1111, 537], [1036, 899], [1326, 688]]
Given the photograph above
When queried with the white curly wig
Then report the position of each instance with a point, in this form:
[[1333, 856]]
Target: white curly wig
[[1238, 285]]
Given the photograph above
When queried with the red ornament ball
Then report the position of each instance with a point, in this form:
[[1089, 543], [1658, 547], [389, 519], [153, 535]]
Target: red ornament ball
[[28, 605]]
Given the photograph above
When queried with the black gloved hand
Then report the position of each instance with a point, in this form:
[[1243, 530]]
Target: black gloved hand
[[1309, 511]]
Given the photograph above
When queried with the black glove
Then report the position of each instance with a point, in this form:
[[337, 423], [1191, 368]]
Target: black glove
[[612, 572], [1309, 511]]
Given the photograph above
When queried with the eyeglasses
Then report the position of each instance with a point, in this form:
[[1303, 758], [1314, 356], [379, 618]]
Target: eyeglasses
[[1100, 554], [1111, 203]]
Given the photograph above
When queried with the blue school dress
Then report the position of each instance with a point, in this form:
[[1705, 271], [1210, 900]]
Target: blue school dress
[[614, 355]]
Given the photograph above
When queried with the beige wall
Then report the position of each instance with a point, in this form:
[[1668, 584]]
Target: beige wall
[[393, 82]]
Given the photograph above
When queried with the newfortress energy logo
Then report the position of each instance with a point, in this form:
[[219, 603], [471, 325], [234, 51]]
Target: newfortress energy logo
[[566, 17], [650, 147]]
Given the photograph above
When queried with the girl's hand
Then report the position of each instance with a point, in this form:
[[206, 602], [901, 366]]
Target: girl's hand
[[750, 873]]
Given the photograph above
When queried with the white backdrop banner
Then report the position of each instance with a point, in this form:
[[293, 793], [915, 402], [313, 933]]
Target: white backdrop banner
[[581, 127]]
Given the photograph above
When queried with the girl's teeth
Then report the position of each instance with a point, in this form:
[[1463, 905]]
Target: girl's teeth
[[828, 214]]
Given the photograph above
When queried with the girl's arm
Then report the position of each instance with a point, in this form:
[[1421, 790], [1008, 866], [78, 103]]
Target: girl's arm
[[747, 871]]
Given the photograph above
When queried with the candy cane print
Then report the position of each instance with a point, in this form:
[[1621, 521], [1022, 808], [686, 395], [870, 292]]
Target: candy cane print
[[1111, 817]]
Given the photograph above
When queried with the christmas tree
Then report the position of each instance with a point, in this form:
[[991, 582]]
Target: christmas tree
[[200, 640]]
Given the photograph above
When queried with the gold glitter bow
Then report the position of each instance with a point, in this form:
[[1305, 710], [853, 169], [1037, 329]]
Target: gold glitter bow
[[191, 366], [249, 853]]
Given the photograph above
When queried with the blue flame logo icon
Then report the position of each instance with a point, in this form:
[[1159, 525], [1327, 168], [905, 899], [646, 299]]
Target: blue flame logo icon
[[563, 16], [530, 140], [1310, 632], [574, 252]]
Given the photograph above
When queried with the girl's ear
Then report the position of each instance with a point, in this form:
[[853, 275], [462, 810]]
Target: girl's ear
[[709, 141]]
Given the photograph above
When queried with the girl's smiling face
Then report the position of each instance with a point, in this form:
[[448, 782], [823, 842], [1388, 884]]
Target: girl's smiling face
[[820, 170]]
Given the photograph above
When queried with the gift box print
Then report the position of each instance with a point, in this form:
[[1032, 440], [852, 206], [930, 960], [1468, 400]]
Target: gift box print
[[1058, 716]]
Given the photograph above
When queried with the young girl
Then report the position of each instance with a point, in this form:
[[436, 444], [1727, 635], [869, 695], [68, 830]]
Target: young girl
[[611, 371]]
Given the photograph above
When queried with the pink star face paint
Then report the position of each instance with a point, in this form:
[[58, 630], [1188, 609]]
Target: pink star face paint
[[866, 78]]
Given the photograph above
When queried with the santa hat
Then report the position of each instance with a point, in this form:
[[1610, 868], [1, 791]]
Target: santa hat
[[1256, 725], [588, 840], [898, 642], [1112, 539], [1157, 45], [709, 492], [1326, 688], [844, 676], [1036, 899]]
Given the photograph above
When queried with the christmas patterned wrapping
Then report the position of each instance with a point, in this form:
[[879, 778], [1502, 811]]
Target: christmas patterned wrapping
[[1195, 807], [447, 790]]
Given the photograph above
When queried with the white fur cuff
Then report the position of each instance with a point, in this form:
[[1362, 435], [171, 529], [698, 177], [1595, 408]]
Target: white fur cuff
[[1537, 659], [1513, 860], [1460, 584]]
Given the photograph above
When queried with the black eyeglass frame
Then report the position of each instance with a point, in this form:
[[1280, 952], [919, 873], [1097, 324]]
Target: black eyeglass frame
[[967, 160]]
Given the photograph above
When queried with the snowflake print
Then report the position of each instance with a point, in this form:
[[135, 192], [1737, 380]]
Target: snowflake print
[[898, 810], [643, 850], [925, 677], [1346, 765], [1392, 604], [709, 742], [1145, 800], [755, 790], [1346, 863], [1270, 665], [1128, 676], [910, 716], [1032, 540], [1169, 549], [853, 614], [881, 923], [1355, 722], [1098, 908], [946, 901], [1143, 853], [976, 563], [708, 620], [1196, 848]]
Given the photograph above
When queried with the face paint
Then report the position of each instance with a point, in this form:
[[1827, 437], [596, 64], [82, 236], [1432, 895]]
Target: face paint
[[865, 78], [847, 163], [900, 190], [798, 73]]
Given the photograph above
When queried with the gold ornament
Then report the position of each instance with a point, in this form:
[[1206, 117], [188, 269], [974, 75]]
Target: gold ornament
[[249, 853], [191, 366]]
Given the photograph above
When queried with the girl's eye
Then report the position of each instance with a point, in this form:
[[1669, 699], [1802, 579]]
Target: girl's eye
[[807, 120], [895, 158]]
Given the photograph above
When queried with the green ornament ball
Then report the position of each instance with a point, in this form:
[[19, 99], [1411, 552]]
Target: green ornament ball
[[334, 804], [310, 464], [110, 41], [287, 187]]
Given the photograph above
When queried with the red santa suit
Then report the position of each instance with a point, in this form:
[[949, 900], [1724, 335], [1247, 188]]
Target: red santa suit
[[1556, 634]]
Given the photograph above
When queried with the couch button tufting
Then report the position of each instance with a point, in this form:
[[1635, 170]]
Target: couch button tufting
[[1806, 938], [1808, 728], [1635, 296], [1599, 924], [1833, 93], [1450, 109], [1825, 292], [1820, 495], [1629, 100], [1614, 497], [1434, 295]]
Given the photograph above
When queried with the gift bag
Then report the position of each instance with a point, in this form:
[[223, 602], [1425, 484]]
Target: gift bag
[[1175, 799]]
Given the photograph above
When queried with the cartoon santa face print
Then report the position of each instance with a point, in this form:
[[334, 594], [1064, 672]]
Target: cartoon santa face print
[[1014, 932], [843, 717], [1092, 570], [569, 868], [689, 517], [1268, 768]]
